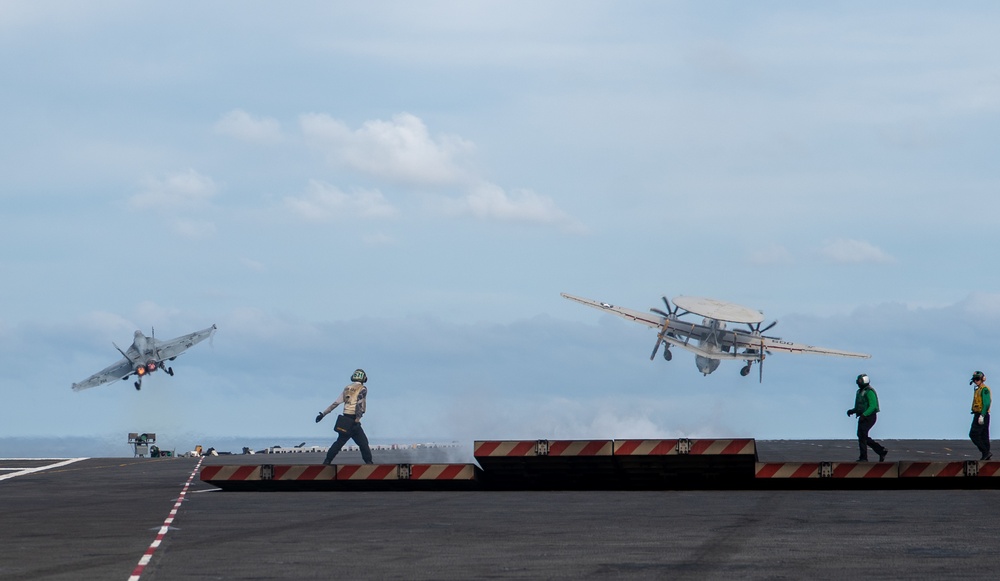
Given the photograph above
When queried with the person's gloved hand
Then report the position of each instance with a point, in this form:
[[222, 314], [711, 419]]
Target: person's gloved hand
[[981, 420], [319, 417], [850, 412]]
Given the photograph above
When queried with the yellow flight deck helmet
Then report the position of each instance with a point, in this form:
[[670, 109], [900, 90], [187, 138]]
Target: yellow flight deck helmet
[[359, 376]]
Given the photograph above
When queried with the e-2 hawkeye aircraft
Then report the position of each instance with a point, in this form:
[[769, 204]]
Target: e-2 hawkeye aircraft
[[145, 356], [713, 341]]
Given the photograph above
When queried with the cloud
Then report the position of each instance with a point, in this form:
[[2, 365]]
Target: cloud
[[241, 125], [489, 201], [850, 251], [400, 150], [180, 191], [324, 203], [772, 254], [980, 304], [176, 199]]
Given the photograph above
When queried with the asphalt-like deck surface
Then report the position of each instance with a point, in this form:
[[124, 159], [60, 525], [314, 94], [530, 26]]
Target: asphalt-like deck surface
[[95, 519]]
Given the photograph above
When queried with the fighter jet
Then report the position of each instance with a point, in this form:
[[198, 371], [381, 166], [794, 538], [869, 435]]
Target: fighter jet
[[146, 355]]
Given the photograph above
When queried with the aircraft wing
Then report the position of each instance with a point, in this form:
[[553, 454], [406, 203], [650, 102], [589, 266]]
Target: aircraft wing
[[174, 347], [771, 344], [681, 332], [119, 370], [648, 319]]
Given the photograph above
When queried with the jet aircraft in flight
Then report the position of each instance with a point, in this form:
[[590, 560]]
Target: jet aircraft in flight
[[713, 342], [146, 355]]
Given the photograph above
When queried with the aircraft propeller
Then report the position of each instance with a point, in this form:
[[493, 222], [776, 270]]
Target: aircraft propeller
[[756, 330], [760, 364], [670, 314], [671, 311]]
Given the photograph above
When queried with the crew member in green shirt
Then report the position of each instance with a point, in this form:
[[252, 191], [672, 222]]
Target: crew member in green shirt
[[866, 408]]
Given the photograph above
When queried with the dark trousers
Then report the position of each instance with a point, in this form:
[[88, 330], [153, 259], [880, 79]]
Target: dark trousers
[[864, 442], [980, 435], [357, 433]]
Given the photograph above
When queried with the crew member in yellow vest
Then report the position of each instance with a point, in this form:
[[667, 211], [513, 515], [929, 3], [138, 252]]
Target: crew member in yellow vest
[[354, 397], [980, 432]]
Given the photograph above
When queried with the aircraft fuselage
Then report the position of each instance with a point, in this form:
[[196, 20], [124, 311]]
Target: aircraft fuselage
[[707, 365], [144, 356]]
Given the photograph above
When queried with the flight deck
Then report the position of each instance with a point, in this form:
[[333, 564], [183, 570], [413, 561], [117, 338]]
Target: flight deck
[[155, 518]]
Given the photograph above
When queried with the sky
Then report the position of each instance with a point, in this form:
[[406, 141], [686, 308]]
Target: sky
[[408, 188]]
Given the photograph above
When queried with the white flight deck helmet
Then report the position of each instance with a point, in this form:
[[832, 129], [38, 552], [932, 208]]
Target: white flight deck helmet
[[359, 376], [862, 380]]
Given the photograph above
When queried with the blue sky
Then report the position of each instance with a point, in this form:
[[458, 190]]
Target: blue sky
[[408, 187]]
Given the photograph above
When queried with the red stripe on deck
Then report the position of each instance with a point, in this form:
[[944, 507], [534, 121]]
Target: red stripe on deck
[[311, 473], [736, 447], [486, 448], [244, 472], [914, 469], [522, 449], [209, 472], [768, 470]]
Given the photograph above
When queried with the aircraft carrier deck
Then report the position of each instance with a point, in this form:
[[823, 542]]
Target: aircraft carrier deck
[[141, 518]]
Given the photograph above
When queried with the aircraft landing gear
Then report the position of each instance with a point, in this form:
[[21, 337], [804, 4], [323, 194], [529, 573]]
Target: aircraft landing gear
[[667, 354], [138, 385], [170, 371], [745, 371]]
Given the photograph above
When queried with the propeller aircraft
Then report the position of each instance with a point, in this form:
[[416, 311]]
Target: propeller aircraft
[[713, 341]]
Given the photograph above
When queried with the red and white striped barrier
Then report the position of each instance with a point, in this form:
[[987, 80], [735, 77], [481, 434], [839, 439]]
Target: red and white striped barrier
[[440, 472], [989, 469], [569, 448], [864, 470], [300, 472], [724, 447], [258, 472], [682, 446], [530, 448], [645, 447], [787, 470], [238, 473], [563, 448], [372, 472], [505, 448], [931, 469]]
